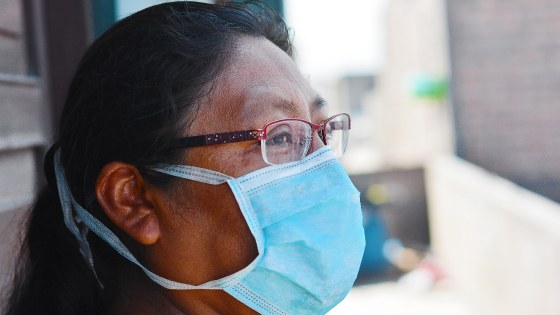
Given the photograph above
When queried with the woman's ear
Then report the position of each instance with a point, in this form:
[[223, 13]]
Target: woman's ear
[[123, 195]]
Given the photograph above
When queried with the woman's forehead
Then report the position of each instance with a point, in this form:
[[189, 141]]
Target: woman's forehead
[[261, 83], [258, 63]]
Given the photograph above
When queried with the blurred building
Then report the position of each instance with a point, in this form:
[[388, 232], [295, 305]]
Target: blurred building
[[506, 88], [410, 127], [351, 94], [499, 59], [352, 90], [499, 241]]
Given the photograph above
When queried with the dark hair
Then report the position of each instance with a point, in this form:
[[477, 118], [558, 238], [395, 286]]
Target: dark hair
[[128, 101]]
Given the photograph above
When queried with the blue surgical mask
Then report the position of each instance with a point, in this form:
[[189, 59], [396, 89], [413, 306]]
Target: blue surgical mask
[[306, 219]]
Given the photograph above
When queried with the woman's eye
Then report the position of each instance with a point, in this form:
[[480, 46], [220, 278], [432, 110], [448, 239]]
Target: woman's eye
[[281, 139]]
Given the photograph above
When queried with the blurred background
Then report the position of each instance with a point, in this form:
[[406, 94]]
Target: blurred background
[[454, 146]]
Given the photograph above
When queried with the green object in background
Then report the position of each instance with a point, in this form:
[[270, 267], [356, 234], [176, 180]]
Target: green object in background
[[428, 86]]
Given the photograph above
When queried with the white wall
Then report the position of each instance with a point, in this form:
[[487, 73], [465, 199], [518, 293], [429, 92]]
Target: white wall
[[499, 242]]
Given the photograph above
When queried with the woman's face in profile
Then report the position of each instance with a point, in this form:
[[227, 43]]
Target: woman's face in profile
[[204, 236]]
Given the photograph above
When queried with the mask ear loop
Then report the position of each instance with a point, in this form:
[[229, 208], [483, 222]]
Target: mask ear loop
[[91, 223], [69, 219]]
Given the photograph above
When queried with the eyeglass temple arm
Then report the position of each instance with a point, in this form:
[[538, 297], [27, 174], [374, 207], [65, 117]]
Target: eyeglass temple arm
[[235, 136], [218, 138]]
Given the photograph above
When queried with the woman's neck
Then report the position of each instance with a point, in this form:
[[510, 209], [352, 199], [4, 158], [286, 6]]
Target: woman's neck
[[141, 296]]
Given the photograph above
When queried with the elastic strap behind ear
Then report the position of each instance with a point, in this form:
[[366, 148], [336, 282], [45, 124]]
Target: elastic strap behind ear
[[48, 166], [91, 223], [69, 219]]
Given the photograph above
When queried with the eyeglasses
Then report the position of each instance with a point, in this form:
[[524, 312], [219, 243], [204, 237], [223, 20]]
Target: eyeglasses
[[282, 141]]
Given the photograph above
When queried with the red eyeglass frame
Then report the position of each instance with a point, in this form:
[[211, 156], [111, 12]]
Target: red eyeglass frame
[[247, 135]]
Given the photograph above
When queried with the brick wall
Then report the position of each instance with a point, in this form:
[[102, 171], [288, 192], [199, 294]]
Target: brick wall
[[505, 58]]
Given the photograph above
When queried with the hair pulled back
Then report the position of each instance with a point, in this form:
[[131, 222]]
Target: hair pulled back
[[128, 101]]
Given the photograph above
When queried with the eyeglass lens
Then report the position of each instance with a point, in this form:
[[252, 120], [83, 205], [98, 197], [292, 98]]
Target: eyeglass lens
[[289, 141]]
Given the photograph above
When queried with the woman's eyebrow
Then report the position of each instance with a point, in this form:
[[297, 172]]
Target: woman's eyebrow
[[286, 106], [289, 107], [318, 103]]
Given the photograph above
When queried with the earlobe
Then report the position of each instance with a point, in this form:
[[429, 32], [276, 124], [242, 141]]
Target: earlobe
[[121, 192]]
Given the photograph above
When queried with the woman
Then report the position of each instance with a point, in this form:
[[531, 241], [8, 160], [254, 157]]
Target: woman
[[167, 195]]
